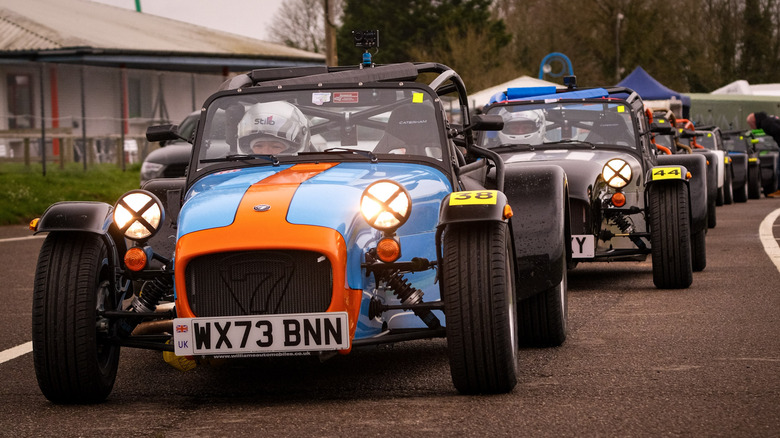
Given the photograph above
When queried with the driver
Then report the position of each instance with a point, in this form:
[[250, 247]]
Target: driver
[[273, 128], [522, 127]]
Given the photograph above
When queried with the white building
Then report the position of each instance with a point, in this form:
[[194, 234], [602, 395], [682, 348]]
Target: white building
[[105, 73]]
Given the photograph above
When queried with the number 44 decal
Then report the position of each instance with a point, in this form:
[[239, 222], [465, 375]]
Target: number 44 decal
[[667, 173]]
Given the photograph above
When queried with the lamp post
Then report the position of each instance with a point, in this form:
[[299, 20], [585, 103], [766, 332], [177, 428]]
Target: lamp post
[[620, 18]]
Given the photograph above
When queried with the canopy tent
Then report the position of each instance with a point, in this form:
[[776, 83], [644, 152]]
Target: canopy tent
[[650, 89], [481, 98], [743, 87]]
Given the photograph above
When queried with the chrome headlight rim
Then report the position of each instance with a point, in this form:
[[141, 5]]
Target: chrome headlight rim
[[138, 214], [385, 205], [617, 173]]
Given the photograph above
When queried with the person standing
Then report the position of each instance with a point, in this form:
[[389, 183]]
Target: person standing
[[771, 126]]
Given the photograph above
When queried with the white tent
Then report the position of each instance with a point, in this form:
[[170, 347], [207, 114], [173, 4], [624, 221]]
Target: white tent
[[481, 98], [743, 87]]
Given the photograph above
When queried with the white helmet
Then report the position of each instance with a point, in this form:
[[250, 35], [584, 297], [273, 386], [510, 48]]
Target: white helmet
[[277, 121], [522, 127]]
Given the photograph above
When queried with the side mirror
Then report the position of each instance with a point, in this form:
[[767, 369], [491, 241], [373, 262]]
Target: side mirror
[[163, 133], [662, 128], [486, 122]]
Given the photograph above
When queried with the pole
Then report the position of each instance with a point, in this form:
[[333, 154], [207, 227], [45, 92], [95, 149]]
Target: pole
[[83, 122], [331, 55], [617, 49], [43, 123]]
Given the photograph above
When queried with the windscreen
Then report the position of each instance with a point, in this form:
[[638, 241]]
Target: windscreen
[[594, 123], [295, 123], [708, 140]]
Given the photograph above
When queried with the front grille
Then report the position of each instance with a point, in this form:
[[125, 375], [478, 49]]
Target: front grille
[[580, 217], [259, 283]]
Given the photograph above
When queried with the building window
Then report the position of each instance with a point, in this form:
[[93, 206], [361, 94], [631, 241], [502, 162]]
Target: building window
[[20, 101]]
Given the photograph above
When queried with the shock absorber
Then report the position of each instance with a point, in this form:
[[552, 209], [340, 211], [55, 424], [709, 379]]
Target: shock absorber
[[410, 296], [151, 293], [146, 301], [625, 226]]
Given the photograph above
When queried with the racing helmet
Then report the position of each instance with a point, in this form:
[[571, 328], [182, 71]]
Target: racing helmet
[[522, 127], [280, 121]]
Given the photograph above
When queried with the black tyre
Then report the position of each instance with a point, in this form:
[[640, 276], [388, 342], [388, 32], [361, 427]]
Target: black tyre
[[728, 190], [479, 299], [74, 362], [719, 198], [670, 231], [754, 182], [741, 192], [699, 250], [542, 318], [712, 216]]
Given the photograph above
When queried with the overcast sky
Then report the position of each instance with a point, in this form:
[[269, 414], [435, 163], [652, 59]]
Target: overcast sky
[[244, 17]]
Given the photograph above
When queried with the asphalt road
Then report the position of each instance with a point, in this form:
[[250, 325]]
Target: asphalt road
[[638, 362]]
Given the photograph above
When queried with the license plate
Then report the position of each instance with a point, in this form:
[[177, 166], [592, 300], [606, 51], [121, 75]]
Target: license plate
[[583, 246], [236, 335]]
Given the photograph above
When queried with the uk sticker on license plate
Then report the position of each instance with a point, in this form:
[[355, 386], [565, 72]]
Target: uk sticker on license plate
[[260, 334]]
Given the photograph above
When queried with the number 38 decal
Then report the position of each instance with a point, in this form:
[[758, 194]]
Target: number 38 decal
[[667, 173], [473, 197]]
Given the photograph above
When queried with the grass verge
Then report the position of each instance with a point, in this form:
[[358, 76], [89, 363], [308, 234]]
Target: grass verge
[[26, 193]]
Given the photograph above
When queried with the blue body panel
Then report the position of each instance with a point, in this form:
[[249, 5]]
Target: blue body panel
[[331, 199], [212, 202]]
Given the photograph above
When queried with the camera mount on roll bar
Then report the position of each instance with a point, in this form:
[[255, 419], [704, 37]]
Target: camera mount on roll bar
[[366, 39]]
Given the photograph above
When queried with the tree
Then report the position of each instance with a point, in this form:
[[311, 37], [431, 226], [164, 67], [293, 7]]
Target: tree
[[460, 33], [302, 24]]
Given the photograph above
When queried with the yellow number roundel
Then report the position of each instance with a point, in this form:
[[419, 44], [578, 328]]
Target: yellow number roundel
[[474, 197], [667, 173]]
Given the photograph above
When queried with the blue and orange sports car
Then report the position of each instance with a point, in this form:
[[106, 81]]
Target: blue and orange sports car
[[324, 209]]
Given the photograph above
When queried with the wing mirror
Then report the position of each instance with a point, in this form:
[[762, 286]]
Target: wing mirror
[[163, 133], [486, 122]]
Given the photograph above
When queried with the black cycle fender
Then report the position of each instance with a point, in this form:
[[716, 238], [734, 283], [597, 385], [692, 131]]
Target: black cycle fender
[[538, 195], [472, 206], [697, 185], [84, 216]]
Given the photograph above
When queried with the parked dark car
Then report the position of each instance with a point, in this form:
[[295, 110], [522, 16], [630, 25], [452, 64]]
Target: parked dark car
[[171, 159]]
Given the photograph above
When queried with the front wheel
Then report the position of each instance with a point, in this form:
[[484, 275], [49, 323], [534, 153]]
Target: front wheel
[[754, 182], [479, 299], [741, 192], [543, 317], [670, 231], [699, 250], [728, 190], [74, 361]]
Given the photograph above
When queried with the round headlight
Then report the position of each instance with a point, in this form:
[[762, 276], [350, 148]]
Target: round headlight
[[617, 173], [138, 214], [385, 205]]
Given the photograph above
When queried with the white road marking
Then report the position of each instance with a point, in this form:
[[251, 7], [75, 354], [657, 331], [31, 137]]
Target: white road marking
[[16, 239], [767, 237], [14, 352]]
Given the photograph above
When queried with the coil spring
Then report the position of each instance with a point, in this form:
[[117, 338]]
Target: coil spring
[[622, 223], [627, 227], [151, 294], [409, 295]]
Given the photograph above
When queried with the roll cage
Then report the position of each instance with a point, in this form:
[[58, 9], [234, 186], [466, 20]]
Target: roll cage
[[644, 149], [455, 123]]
